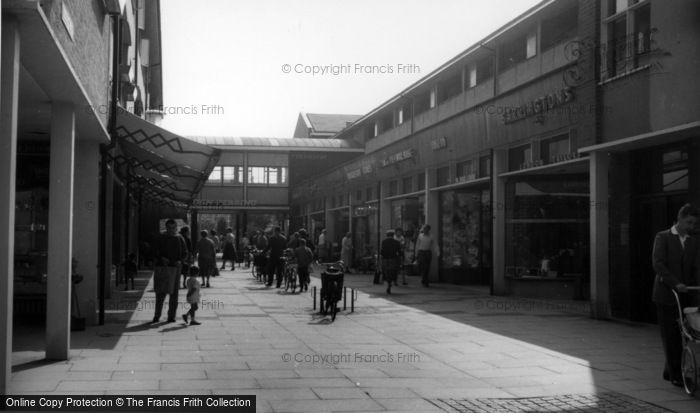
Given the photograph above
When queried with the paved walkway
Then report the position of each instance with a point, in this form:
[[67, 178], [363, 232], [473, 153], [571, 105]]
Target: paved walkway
[[446, 348]]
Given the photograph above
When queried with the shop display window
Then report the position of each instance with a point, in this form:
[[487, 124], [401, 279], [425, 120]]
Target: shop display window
[[465, 242], [547, 226]]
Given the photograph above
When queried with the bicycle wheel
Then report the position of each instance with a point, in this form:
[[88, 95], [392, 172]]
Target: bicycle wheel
[[253, 272], [293, 279], [689, 370]]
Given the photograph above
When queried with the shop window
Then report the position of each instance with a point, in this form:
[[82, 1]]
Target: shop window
[[407, 185], [675, 170], [214, 176], [547, 229], [393, 188], [443, 176], [467, 170], [420, 181], [555, 149], [449, 88], [519, 157], [559, 27], [232, 175], [626, 37], [484, 166]]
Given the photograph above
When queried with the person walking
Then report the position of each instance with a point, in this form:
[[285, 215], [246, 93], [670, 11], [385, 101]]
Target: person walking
[[229, 250], [185, 270], [304, 258], [170, 252], [275, 264], [206, 257], [346, 251], [244, 247], [398, 235], [322, 247], [676, 261], [425, 245], [391, 256], [193, 287]]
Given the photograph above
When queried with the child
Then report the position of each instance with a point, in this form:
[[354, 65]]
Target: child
[[193, 286], [304, 258], [130, 270]]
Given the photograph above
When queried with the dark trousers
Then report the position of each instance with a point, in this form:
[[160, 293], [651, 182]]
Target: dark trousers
[[172, 304], [193, 307], [671, 338], [275, 267], [303, 273], [424, 257]]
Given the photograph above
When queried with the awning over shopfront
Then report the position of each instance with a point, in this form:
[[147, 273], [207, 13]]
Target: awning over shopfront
[[645, 140], [159, 164]]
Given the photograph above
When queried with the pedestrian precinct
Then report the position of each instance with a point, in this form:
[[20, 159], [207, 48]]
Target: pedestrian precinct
[[170, 252], [193, 287], [304, 258], [391, 256], [676, 261], [346, 251], [229, 253], [206, 257], [425, 246], [275, 264]]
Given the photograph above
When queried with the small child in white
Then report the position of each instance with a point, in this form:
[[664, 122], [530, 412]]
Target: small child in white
[[193, 285]]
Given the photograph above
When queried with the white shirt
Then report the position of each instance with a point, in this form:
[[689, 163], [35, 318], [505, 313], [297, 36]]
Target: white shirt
[[674, 231]]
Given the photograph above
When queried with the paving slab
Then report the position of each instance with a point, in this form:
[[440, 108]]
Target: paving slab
[[446, 348]]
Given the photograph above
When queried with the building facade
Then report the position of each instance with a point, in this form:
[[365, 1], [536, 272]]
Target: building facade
[[544, 157]]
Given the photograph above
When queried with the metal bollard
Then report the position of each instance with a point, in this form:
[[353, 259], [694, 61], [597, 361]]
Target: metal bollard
[[352, 301], [314, 294], [345, 298]]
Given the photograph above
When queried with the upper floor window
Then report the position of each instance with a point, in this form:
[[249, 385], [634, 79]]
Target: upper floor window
[[423, 102], [468, 169], [485, 166], [443, 176], [407, 185], [214, 176], [267, 175], [559, 27], [232, 175], [480, 71], [420, 181], [519, 156], [450, 87], [517, 49], [393, 188], [555, 148], [626, 36]]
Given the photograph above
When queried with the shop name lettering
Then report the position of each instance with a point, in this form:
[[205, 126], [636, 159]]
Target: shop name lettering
[[554, 159], [358, 172], [219, 203], [438, 143], [538, 106], [398, 157]]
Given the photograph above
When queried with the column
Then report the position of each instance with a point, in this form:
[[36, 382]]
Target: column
[[85, 236], [432, 218], [58, 300], [499, 162], [600, 287], [9, 89]]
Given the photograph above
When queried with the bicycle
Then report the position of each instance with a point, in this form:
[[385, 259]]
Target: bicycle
[[259, 263], [332, 288]]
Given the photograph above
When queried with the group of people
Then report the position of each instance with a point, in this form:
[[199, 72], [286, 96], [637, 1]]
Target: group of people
[[398, 251], [276, 247]]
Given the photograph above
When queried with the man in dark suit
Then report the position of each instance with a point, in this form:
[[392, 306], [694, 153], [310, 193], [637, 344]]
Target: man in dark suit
[[676, 260]]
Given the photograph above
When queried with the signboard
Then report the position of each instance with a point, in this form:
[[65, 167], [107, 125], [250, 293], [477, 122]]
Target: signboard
[[539, 106], [223, 203], [398, 157]]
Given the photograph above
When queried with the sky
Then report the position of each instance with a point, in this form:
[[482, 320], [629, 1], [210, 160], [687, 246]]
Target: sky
[[246, 67]]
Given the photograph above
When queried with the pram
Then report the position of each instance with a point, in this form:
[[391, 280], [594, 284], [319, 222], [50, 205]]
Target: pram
[[332, 288], [690, 332]]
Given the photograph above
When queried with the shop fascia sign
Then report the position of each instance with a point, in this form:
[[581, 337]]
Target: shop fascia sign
[[357, 170], [539, 106], [223, 203], [439, 143], [398, 157]]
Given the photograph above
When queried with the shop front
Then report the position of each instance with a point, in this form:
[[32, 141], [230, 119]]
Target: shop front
[[465, 235], [547, 235]]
